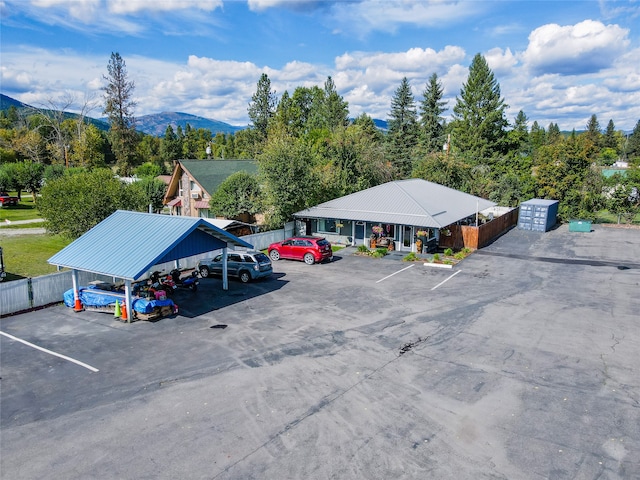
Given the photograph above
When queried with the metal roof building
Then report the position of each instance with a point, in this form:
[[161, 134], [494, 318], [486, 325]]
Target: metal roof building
[[128, 244], [408, 202]]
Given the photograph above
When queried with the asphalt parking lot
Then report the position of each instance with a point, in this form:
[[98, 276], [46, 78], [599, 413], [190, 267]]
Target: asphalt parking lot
[[519, 363]]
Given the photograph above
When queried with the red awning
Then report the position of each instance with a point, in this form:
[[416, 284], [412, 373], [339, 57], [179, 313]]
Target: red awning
[[202, 204], [176, 202]]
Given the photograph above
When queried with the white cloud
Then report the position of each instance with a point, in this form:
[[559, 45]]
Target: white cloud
[[135, 6], [586, 47], [501, 62], [369, 15]]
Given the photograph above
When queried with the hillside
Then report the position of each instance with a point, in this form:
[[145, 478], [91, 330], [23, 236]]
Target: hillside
[[6, 102], [154, 124], [157, 123]]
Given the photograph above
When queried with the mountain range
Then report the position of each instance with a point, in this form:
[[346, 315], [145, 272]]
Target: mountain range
[[156, 124]]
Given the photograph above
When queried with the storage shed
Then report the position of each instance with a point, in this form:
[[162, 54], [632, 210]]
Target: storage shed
[[538, 215]]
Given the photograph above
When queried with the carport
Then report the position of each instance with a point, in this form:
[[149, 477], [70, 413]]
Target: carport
[[127, 245]]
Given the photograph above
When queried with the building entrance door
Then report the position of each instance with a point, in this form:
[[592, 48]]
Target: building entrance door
[[407, 238]]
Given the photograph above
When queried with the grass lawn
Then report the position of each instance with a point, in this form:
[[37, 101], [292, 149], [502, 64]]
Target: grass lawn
[[25, 210], [27, 255]]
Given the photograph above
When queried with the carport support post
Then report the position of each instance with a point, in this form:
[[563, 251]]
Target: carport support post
[[127, 296], [225, 278], [76, 292]]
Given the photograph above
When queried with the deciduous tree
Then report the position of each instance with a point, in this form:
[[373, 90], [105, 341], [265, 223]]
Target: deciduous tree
[[238, 194]]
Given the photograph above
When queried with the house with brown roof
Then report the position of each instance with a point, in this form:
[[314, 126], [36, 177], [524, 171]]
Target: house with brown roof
[[194, 181]]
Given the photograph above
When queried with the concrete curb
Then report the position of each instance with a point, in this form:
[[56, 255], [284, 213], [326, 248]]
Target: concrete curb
[[437, 265]]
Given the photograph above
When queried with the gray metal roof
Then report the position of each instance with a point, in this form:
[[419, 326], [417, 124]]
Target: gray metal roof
[[127, 244], [405, 202]]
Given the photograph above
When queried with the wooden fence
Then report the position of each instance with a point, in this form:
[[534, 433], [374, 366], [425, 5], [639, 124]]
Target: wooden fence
[[477, 237]]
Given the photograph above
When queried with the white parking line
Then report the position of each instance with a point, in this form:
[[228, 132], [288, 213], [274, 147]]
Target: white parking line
[[446, 279], [388, 276], [77, 362]]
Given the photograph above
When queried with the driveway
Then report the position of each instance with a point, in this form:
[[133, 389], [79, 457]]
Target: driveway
[[509, 366]]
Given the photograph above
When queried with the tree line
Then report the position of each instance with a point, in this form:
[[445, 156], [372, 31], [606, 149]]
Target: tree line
[[310, 150]]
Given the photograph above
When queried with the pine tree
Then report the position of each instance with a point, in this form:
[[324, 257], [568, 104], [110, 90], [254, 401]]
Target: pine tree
[[610, 140], [632, 148], [431, 119], [336, 110], [478, 126], [119, 106], [519, 135], [262, 106], [402, 136], [553, 134], [537, 136]]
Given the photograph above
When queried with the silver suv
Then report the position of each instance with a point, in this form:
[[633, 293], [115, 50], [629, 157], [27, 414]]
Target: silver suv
[[246, 266]]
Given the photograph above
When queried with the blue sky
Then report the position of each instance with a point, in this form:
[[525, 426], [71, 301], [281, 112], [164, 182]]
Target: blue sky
[[558, 61]]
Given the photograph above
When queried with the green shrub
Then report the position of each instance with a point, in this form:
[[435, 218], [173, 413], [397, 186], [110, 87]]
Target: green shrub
[[363, 249], [459, 256], [410, 257], [448, 252], [466, 251], [379, 252], [436, 257]]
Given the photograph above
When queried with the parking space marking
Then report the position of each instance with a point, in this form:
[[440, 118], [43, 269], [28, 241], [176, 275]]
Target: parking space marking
[[388, 276], [446, 279], [64, 357]]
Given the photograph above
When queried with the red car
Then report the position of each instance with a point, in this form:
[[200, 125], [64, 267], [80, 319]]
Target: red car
[[308, 249]]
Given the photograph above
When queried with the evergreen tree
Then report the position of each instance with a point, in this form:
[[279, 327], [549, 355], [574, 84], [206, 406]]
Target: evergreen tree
[[593, 132], [609, 140], [478, 126], [537, 136], [402, 135], [119, 106], [431, 119], [171, 147], [519, 135], [336, 110], [262, 107], [632, 148], [368, 127], [553, 134]]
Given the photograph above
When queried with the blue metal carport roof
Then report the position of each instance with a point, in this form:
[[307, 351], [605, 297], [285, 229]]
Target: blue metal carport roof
[[127, 244]]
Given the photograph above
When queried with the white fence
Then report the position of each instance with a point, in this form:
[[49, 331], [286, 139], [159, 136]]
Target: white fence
[[30, 293]]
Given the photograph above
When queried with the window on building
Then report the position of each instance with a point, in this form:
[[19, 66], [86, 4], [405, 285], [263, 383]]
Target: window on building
[[327, 225]]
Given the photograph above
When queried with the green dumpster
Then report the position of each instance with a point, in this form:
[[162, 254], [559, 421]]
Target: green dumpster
[[579, 225]]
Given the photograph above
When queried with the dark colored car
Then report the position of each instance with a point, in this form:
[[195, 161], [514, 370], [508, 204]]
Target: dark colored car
[[244, 265], [308, 249]]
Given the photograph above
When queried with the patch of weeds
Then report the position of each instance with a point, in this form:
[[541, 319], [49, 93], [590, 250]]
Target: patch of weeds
[[436, 257], [448, 252], [410, 257], [459, 256], [379, 253], [363, 249]]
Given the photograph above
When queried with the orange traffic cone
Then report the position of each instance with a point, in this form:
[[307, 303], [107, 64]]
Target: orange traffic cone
[[78, 305], [124, 312], [117, 312]]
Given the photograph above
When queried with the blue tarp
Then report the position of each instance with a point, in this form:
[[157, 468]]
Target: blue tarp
[[94, 297]]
